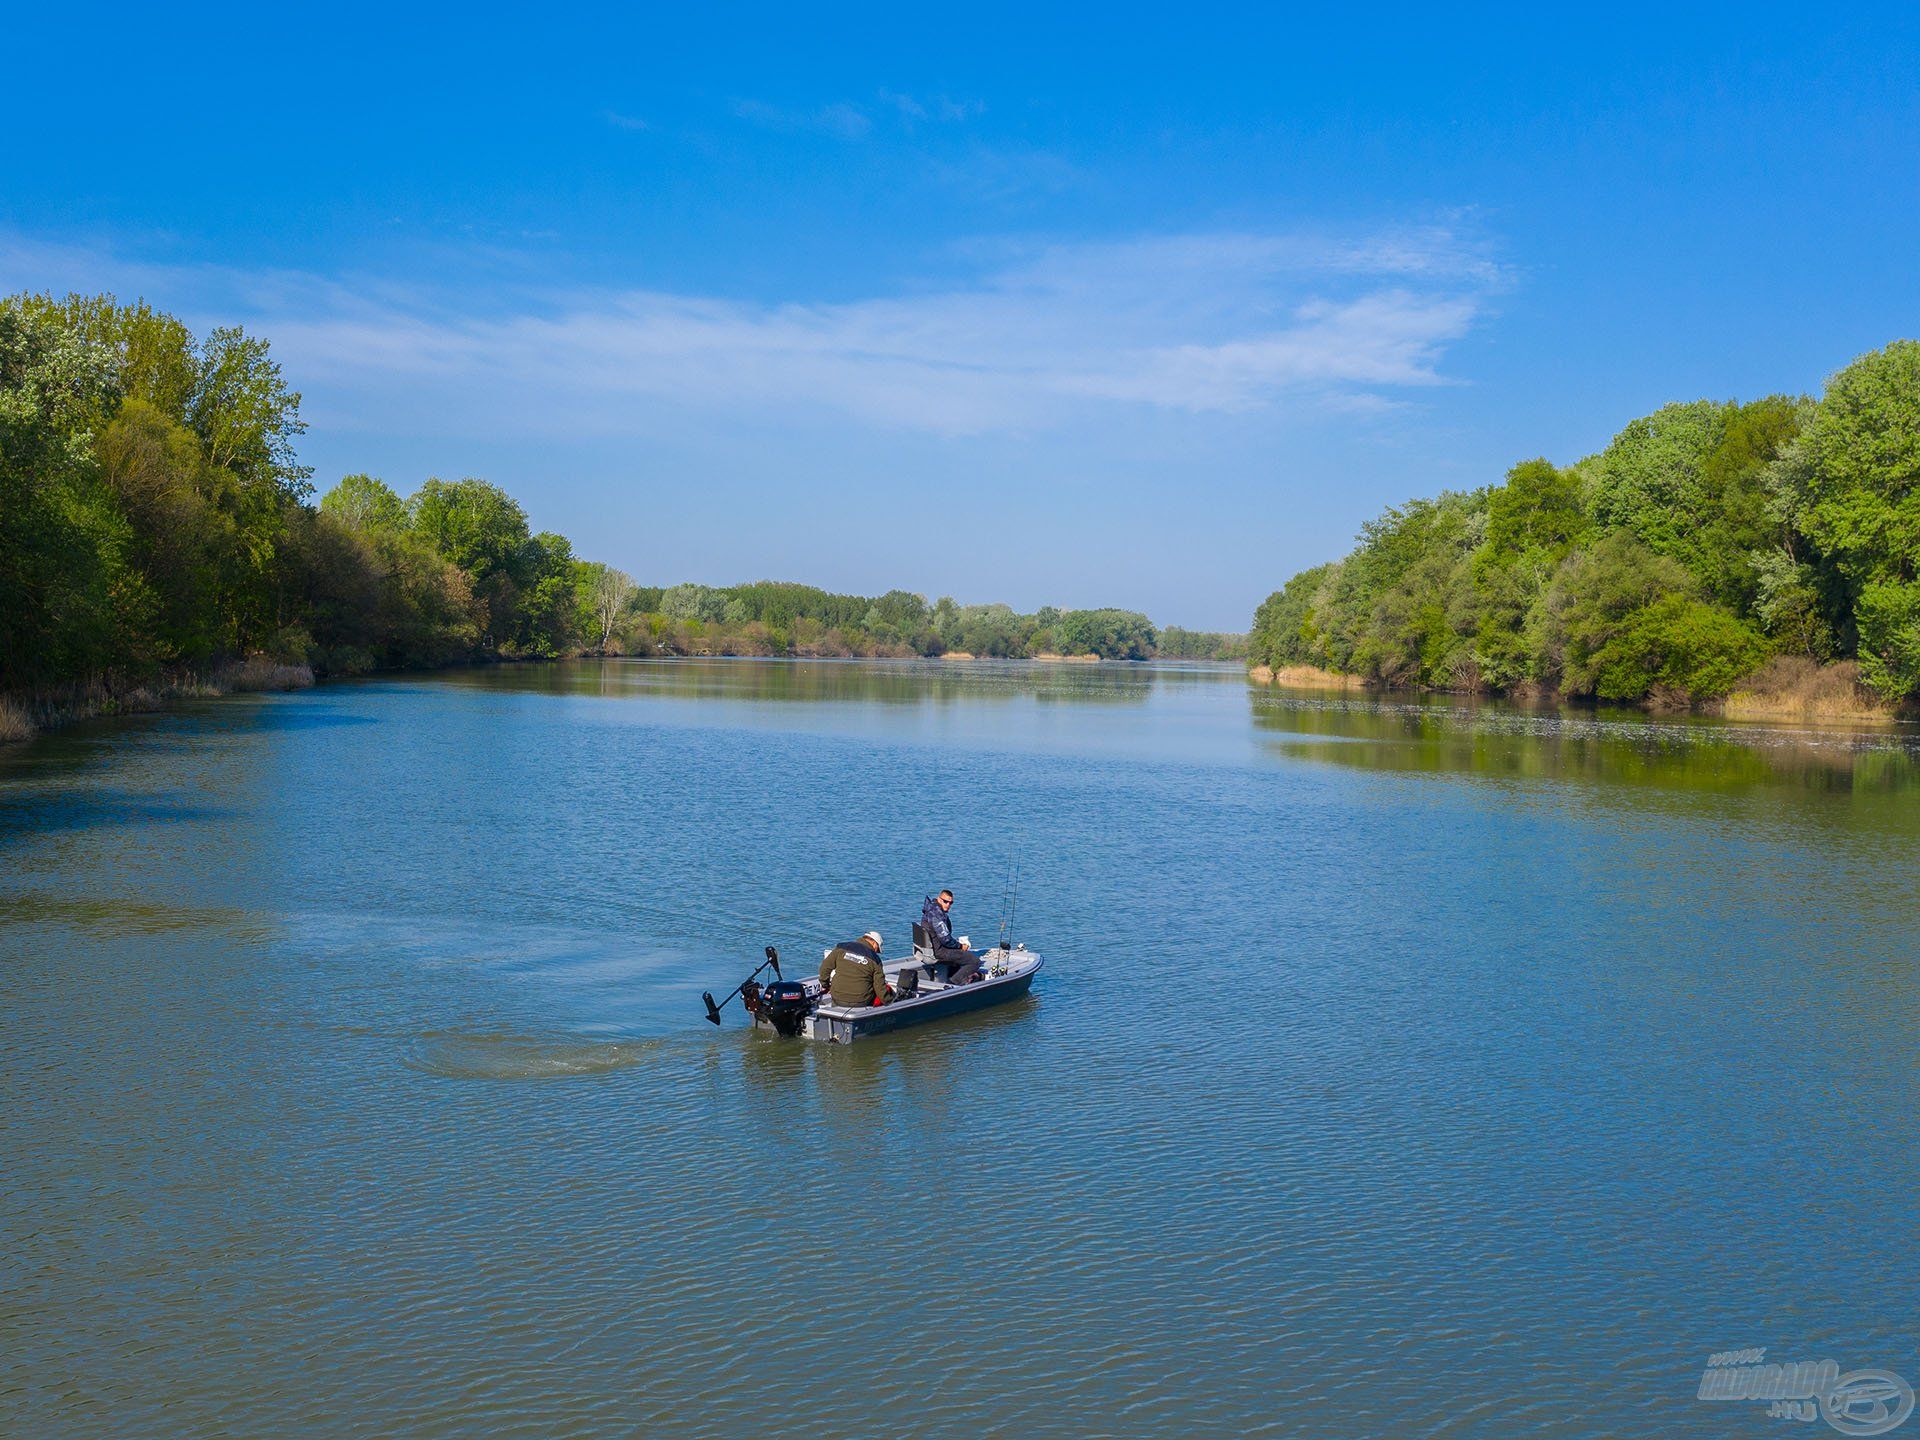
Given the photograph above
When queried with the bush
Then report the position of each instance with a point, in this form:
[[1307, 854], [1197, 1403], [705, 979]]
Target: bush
[[1684, 647], [1889, 619], [1624, 621], [15, 723]]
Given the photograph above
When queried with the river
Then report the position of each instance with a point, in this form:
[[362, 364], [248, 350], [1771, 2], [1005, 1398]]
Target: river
[[1396, 1068]]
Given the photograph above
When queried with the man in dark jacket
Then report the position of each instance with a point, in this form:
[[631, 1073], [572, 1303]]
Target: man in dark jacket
[[963, 964], [852, 974]]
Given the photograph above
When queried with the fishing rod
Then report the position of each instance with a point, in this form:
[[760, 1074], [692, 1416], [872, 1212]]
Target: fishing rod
[[1007, 891], [746, 999]]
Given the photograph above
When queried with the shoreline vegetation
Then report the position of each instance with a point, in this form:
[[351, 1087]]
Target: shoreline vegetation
[[1758, 560], [1785, 688], [1303, 677], [22, 716], [159, 539]]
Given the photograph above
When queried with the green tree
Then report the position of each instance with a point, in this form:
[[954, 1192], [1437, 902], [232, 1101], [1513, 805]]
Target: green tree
[[179, 539], [1110, 634], [690, 602], [1856, 490], [1889, 621], [1649, 481], [480, 528], [70, 604], [248, 416], [1288, 628], [548, 611], [378, 599], [1534, 520], [1537, 512], [477, 526], [1626, 621], [1405, 595], [363, 503], [1690, 482], [155, 357]]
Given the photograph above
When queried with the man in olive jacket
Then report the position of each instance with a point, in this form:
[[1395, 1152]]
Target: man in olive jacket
[[852, 974]]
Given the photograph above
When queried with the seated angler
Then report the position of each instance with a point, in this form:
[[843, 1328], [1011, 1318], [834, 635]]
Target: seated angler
[[852, 972], [963, 965]]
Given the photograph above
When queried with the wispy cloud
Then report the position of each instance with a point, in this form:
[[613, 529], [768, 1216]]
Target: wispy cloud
[[621, 121], [842, 120], [846, 120], [934, 107], [1037, 336]]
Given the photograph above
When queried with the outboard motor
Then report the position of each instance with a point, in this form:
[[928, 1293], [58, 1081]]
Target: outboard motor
[[785, 1006]]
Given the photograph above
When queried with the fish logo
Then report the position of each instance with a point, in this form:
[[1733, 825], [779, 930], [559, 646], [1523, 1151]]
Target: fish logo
[[1867, 1402]]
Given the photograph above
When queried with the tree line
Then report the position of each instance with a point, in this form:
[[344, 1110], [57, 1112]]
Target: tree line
[[777, 618], [1704, 540], [155, 519]]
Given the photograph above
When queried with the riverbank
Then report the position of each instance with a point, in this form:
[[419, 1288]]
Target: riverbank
[[1706, 537], [1046, 657], [24, 716], [1794, 688], [1303, 677], [1787, 688]]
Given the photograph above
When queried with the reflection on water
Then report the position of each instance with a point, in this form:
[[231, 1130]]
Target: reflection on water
[[1397, 1067], [883, 682], [1617, 747]]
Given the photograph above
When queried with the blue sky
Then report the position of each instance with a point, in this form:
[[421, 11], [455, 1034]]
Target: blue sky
[[1125, 305]]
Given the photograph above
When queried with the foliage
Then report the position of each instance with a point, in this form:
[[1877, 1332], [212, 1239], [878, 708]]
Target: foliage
[[1689, 482], [1625, 624], [154, 518], [1289, 628], [1862, 484], [367, 505], [1889, 620], [1110, 634], [1176, 643], [1855, 490], [603, 596], [69, 599], [153, 515], [1704, 538]]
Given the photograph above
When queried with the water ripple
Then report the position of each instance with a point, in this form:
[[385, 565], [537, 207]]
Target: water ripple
[[521, 1057]]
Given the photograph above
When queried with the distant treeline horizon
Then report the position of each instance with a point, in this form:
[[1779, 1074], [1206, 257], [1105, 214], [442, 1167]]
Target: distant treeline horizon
[[772, 617], [1709, 541], [155, 521]]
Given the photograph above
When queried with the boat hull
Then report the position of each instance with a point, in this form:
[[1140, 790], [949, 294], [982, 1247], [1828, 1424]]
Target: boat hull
[[842, 1025]]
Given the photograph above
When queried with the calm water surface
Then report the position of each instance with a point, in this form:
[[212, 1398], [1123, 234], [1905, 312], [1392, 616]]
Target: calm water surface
[[1396, 1069]]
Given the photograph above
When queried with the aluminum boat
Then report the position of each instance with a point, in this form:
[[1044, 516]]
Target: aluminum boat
[[800, 1008]]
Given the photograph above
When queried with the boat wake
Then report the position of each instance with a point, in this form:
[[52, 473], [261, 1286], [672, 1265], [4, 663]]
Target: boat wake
[[458, 1056]]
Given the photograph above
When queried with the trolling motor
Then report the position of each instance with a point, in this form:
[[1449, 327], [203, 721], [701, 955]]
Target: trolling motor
[[782, 1003]]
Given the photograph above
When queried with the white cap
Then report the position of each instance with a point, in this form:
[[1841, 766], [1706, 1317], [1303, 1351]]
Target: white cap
[[874, 936]]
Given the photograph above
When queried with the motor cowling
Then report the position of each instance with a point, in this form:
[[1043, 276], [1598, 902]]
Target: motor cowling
[[785, 1005]]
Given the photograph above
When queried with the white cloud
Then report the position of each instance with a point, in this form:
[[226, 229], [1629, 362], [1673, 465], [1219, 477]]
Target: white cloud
[[1037, 337], [840, 119], [937, 107]]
